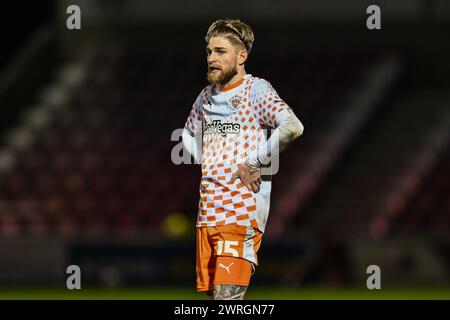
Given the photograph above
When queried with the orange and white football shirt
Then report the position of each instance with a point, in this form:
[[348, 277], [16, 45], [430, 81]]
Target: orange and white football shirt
[[231, 120]]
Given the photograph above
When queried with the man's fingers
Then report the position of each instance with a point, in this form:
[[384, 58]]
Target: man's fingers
[[233, 177], [251, 181]]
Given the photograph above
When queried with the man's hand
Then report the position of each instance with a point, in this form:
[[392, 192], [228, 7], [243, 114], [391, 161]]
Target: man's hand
[[250, 177]]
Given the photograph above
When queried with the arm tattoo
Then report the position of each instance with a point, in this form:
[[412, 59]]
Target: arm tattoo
[[229, 292]]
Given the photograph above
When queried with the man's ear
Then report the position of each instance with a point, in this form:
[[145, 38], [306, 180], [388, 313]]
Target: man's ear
[[242, 57]]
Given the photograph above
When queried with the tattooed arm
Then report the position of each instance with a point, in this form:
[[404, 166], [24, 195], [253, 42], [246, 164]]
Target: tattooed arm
[[229, 292]]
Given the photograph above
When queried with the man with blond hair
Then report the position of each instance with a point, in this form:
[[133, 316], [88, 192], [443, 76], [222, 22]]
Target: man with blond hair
[[226, 133]]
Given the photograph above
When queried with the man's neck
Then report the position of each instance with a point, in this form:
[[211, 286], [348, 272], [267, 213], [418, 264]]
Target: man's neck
[[236, 80]]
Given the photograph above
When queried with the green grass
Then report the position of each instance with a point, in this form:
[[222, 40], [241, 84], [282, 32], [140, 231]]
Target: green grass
[[256, 293]]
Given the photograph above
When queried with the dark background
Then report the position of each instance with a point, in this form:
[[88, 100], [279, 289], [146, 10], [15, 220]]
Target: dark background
[[87, 115]]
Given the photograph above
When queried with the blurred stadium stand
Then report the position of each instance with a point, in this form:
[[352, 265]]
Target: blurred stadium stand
[[85, 149]]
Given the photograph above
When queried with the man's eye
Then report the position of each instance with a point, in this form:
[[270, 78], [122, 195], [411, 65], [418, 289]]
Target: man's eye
[[220, 52]]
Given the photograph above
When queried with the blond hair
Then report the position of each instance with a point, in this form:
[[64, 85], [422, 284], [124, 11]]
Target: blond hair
[[236, 31]]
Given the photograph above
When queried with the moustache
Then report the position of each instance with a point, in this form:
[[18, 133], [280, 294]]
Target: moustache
[[212, 68]]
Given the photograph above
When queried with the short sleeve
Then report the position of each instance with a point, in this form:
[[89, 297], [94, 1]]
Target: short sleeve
[[268, 105], [194, 120]]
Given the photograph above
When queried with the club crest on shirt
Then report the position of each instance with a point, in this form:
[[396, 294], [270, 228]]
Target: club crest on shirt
[[235, 101]]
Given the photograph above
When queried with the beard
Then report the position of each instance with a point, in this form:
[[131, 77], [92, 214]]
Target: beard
[[220, 76]]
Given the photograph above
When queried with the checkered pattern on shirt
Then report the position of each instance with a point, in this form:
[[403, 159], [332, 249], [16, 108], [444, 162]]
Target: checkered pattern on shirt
[[222, 202]]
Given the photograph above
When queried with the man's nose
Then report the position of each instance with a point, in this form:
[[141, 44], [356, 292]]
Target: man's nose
[[211, 58]]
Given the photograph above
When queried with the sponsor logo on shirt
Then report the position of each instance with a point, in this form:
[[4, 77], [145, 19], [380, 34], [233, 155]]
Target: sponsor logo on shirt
[[217, 127]]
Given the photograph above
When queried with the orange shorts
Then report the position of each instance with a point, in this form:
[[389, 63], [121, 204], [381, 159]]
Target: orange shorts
[[226, 254]]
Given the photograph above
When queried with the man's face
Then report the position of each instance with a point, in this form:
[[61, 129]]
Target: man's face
[[222, 60]]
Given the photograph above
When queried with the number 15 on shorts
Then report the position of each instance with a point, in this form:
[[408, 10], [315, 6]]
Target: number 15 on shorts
[[227, 248]]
